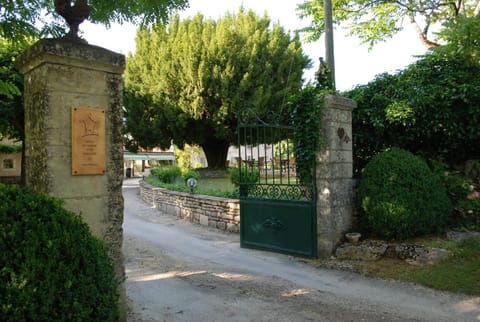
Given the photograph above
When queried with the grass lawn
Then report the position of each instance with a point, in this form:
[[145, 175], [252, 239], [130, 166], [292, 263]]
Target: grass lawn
[[215, 184], [219, 187], [460, 273]]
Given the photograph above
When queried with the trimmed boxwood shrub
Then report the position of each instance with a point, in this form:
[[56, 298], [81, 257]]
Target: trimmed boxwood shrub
[[401, 197], [51, 267]]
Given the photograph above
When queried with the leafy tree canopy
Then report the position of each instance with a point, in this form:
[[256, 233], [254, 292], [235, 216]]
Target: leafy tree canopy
[[462, 39], [23, 19], [11, 88], [432, 108], [188, 80], [374, 21]]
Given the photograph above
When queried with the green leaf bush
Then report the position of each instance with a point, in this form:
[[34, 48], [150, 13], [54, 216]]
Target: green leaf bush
[[431, 108], [51, 267], [189, 173], [463, 193], [249, 176], [401, 197], [167, 174], [306, 110]]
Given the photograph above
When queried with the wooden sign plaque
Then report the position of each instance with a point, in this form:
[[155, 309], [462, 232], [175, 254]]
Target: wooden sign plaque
[[88, 141]]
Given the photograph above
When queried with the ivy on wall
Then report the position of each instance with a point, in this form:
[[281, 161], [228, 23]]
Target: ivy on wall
[[306, 115]]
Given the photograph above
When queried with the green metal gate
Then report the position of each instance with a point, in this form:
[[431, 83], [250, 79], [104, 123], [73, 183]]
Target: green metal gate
[[277, 209]]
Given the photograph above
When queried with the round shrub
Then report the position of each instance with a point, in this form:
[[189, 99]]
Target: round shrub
[[51, 267], [401, 197]]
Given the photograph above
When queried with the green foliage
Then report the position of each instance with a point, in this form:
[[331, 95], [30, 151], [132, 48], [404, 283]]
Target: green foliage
[[432, 108], [188, 80], [463, 195], [22, 20], [145, 122], [10, 148], [11, 89], [376, 21], [143, 12], [167, 174], [401, 197], [308, 140], [247, 175], [218, 187], [186, 156], [189, 173], [469, 210], [52, 268], [36, 19], [284, 149], [324, 77], [462, 39]]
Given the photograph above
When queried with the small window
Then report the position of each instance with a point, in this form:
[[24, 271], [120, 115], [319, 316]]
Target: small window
[[8, 164]]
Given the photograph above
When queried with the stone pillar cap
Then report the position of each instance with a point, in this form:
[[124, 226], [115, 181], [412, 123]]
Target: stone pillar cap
[[77, 53], [340, 102]]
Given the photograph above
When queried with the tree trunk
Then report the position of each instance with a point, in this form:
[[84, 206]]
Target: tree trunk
[[216, 153]]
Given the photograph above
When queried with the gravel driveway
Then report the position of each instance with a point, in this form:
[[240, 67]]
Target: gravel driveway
[[177, 271]]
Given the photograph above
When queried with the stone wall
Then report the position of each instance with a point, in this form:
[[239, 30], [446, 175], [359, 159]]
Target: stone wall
[[216, 212]]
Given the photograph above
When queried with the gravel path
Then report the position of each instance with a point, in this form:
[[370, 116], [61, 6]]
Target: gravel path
[[177, 271]]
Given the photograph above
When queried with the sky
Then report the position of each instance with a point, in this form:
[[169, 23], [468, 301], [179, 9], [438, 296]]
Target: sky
[[354, 63]]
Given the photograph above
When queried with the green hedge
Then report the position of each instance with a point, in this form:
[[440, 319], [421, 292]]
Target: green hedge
[[401, 197], [249, 176], [10, 148], [51, 267], [167, 174]]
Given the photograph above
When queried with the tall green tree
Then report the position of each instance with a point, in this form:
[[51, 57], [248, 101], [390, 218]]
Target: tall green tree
[[193, 76], [374, 21]]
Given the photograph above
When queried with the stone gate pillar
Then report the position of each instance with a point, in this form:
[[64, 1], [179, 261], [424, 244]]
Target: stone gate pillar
[[335, 174], [73, 133]]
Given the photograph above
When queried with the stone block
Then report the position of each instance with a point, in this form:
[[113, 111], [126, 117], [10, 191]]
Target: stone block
[[368, 251], [462, 235], [93, 212], [204, 220], [233, 228]]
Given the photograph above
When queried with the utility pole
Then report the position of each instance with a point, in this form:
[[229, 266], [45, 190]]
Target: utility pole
[[329, 52]]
